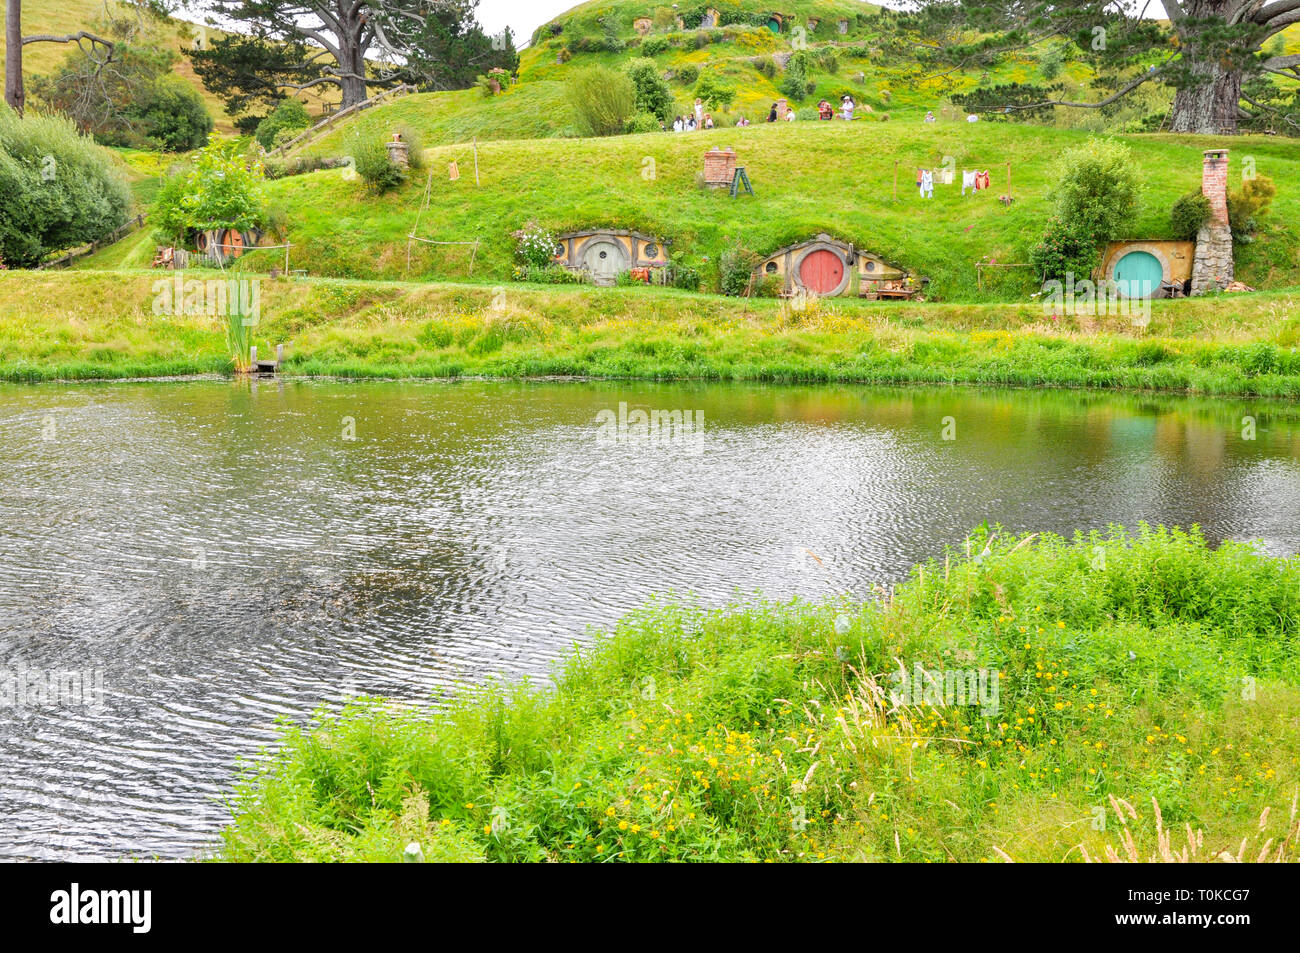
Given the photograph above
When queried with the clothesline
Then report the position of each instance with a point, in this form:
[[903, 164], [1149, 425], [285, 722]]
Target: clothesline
[[251, 248], [946, 178], [430, 241]]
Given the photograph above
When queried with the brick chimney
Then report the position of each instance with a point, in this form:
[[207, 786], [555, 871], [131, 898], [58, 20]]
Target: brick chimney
[[1212, 266], [719, 167], [1214, 183]]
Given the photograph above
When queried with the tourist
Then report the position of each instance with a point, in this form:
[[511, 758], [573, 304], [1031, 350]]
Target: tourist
[[742, 121], [847, 105], [708, 120], [929, 116], [677, 124], [699, 114], [790, 116], [771, 116], [825, 111], [690, 123]]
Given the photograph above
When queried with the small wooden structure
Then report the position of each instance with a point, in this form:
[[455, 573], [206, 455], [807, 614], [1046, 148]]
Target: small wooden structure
[[604, 253], [828, 267], [642, 25], [264, 365]]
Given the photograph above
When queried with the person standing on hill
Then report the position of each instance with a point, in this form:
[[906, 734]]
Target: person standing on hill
[[699, 113], [771, 116], [847, 105]]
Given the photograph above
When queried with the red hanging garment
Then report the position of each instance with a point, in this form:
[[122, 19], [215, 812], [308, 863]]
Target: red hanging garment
[[981, 180]]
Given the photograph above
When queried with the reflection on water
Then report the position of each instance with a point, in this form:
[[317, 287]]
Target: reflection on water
[[223, 556]]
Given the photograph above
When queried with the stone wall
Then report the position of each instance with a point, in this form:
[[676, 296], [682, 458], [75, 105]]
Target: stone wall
[[1212, 267]]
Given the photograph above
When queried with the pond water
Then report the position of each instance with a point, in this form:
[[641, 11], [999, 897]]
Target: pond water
[[202, 558]]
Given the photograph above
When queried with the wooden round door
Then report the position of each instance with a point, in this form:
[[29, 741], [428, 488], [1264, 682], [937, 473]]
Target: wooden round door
[[821, 271], [234, 243], [604, 260]]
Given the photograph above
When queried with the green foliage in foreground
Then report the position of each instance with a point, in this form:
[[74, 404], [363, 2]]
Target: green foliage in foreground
[[1138, 667], [57, 188]]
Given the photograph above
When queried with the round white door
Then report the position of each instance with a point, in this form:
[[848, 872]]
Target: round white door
[[604, 260]]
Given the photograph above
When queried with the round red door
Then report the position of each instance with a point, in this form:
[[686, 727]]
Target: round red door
[[821, 271]]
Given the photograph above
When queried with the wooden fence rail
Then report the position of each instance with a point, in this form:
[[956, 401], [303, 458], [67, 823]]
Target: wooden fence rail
[[65, 260]]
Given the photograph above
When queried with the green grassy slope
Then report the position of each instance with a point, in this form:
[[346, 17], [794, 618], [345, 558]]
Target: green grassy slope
[[103, 325], [809, 177], [537, 106]]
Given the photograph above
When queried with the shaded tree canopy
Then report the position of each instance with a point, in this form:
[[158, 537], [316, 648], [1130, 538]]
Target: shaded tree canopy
[[286, 46], [1209, 52]]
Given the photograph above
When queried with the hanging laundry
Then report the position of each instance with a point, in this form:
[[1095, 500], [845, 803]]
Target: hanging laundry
[[945, 176], [927, 184], [919, 174], [967, 180], [982, 180]]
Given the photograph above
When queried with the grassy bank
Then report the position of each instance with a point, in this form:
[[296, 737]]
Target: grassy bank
[[1133, 671], [83, 325]]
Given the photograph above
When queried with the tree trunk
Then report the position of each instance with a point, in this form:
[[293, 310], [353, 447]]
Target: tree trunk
[[354, 90], [14, 94], [352, 62], [1210, 107]]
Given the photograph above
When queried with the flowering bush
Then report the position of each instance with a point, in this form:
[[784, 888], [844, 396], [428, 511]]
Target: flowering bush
[[534, 245], [1065, 247]]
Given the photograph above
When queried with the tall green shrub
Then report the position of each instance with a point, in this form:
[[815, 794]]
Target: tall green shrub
[[1096, 198], [651, 90], [57, 188], [603, 100], [288, 114], [1097, 188], [796, 83]]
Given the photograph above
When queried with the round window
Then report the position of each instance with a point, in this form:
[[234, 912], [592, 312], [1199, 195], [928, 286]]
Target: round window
[[651, 250], [770, 268], [871, 266], [560, 251], [604, 254]]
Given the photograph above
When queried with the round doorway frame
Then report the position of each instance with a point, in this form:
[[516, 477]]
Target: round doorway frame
[[1151, 249], [834, 249]]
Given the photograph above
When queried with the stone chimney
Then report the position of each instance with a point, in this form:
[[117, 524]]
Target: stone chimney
[[398, 151], [1212, 266]]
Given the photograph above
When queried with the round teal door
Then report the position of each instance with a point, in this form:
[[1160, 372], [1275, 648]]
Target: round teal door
[[1138, 274]]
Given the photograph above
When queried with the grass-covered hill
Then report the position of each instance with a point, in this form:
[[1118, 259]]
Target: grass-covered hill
[[808, 177], [742, 53]]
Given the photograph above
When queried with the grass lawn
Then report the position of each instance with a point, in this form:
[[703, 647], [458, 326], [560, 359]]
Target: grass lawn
[[82, 324]]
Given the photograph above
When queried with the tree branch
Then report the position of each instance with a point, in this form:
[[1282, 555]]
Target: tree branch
[[1118, 94]]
